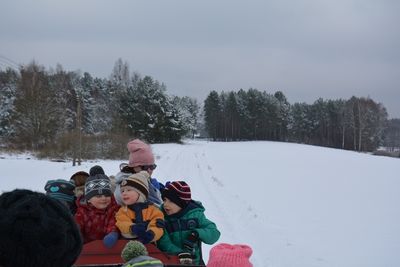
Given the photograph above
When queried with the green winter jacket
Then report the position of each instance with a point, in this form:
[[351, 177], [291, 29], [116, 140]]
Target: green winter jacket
[[179, 226]]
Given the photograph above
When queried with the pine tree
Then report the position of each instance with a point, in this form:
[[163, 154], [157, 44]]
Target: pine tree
[[147, 112], [232, 116], [392, 135], [212, 111], [188, 109], [282, 116]]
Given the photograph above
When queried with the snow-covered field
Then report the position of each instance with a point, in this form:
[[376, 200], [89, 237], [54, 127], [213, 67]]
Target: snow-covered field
[[295, 205]]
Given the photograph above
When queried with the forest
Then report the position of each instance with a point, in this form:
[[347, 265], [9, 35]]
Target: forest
[[70, 114], [357, 123]]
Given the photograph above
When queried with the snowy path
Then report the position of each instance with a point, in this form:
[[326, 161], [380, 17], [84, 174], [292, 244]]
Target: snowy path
[[295, 205]]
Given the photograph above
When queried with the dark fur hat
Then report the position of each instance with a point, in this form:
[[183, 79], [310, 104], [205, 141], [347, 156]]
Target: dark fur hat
[[36, 230]]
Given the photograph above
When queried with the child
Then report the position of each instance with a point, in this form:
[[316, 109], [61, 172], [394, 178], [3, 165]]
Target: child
[[186, 226], [96, 169], [141, 158], [63, 191], [79, 179], [136, 254], [138, 218], [96, 211]]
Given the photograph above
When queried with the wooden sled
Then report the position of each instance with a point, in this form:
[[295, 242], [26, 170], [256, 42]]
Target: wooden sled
[[95, 254]]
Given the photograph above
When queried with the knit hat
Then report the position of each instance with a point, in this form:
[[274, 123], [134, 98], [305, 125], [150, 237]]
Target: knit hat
[[60, 189], [140, 183], [135, 254], [226, 255], [140, 153], [96, 170], [36, 230], [178, 192], [98, 184]]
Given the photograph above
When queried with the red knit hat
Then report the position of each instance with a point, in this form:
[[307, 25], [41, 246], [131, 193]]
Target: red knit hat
[[226, 255], [140, 154], [178, 192]]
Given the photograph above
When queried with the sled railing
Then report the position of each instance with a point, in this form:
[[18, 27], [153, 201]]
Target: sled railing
[[95, 254]]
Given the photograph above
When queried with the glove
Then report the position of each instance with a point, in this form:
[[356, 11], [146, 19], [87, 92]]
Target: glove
[[145, 236], [190, 242], [185, 258], [110, 239]]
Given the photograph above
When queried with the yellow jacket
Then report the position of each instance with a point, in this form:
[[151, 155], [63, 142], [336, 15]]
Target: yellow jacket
[[146, 214]]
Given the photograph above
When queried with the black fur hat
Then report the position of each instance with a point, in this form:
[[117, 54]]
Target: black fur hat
[[36, 230]]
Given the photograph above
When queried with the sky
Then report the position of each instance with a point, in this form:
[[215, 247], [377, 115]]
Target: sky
[[294, 205], [306, 49]]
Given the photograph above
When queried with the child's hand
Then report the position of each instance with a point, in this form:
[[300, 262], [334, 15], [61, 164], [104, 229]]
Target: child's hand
[[145, 236], [190, 243], [110, 239], [138, 228]]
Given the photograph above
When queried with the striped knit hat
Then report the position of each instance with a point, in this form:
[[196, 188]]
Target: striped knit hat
[[227, 255], [178, 192], [144, 261], [60, 189], [140, 183]]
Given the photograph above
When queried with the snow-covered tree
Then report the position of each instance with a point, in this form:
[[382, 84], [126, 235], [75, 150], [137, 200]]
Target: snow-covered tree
[[188, 109], [8, 83], [392, 135], [146, 112]]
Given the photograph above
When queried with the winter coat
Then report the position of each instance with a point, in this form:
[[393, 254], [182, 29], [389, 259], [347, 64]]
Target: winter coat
[[180, 225], [154, 192], [140, 213], [72, 207], [95, 223], [154, 189]]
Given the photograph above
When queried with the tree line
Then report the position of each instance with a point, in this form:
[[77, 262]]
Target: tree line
[[70, 114], [358, 123]]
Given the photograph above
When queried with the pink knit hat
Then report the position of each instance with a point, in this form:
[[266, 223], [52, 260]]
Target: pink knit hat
[[226, 255], [139, 153]]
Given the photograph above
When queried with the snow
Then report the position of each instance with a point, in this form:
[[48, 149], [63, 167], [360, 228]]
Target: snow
[[295, 205]]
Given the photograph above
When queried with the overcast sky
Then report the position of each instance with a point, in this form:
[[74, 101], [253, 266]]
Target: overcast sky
[[307, 49]]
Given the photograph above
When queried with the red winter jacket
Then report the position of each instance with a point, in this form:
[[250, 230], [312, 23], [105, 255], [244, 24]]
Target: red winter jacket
[[94, 223]]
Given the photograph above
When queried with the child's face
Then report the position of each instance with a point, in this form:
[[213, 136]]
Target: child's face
[[170, 207], [100, 202], [129, 195]]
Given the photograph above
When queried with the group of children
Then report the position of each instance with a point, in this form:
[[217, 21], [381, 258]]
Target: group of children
[[135, 206]]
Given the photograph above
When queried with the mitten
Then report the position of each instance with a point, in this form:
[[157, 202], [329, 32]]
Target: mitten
[[110, 239], [190, 242], [140, 230]]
